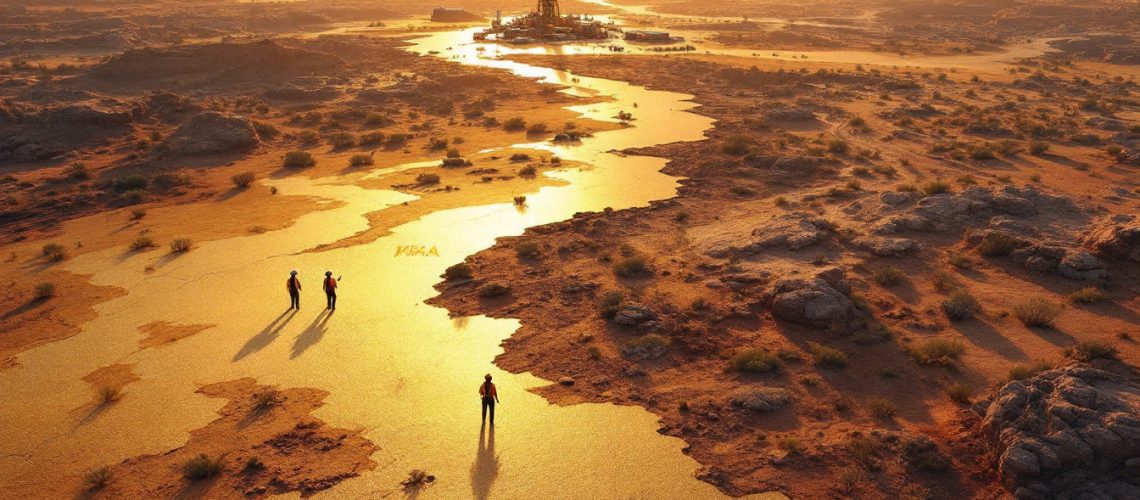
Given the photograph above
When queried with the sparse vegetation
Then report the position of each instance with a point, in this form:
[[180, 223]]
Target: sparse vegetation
[[359, 160], [54, 252], [181, 245], [514, 124], [491, 290], [1087, 295], [960, 393], [1022, 372], [648, 346], [882, 408], [299, 159], [141, 243], [1089, 350], [527, 250], [109, 394], [943, 352], [827, 357], [633, 266], [97, 479], [243, 180], [265, 400], [536, 129], [44, 291], [460, 271], [1037, 312], [936, 187], [791, 445], [961, 305], [996, 244], [889, 276], [202, 467], [417, 478], [754, 360], [610, 303], [427, 179]]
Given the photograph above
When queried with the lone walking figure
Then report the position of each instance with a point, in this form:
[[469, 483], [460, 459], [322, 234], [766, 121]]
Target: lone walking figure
[[330, 291], [490, 396], [294, 287]]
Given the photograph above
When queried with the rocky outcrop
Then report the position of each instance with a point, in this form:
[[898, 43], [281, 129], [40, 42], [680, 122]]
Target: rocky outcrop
[[975, 206], [30, 133], [792, 231], [820, 302], [1117, 237], [1071, 432], [762, 399], [213, 133]]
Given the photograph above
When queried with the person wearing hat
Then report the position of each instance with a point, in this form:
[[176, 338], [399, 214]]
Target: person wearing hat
[[330, 291], [294, 287], [490, 396]]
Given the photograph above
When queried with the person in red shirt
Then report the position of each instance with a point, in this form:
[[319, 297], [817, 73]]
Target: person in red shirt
[[490, 396], [294, 287], [330, 291]]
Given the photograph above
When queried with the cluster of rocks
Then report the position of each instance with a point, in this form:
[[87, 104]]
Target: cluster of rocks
[[975, 206], [1072, 263], [822, 301], [1071, 432], [1116, 237], [761, 399], [789, 114], [30, 133], [212, 133]]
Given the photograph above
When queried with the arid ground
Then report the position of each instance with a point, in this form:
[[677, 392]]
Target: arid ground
[[829, 249]]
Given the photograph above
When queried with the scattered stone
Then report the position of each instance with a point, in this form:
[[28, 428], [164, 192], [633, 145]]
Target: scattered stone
[[633, 315], [212, 133], [566, 381]]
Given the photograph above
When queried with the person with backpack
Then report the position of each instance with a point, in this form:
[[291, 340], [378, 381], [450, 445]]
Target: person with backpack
[[293, 285], [330, 291], [490, 397]]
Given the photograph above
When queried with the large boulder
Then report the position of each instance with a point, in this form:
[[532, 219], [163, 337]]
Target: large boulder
[[1117, 237], [792, 231], [1070, 432], [820, 302], [213, 133], [762, 399]]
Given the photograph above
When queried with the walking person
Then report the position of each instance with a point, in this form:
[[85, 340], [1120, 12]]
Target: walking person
[[294, 286], [330, 291], [490, 397]]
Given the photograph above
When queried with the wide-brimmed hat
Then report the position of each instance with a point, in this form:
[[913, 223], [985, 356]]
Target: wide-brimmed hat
[[293, 272], [328, 273]]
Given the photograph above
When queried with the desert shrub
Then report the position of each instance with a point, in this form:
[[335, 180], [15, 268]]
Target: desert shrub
[[108, 395], [129, 183], [514, 124], [494, 290], [700, 304], [417, 478], [436, 144], [632, 266], [396, 140], [137, 214], [838, 146], [1089, 350], [308, 137], [882, 408], [996, 244], [737, 145], [961, 261], [937, 352], [944, 282], [342, 140], [828, 357], [906, 188], [376, 120], [427, 179], [44, 291], [54, 252], [458, 271], [243, 180], [266, 130], [264, 400], [520, 201], [202, 467], [360, 160], [936, 187], [960, 393], [140, 243], [755, 360], [649, 346], [252, 465], [371, 139], [922, 454], [77, 172], [97, 479], [299, 159], [610, 303], [1022, 372], [1087, 295], [180, 245], [1114, 150], [1038, 312], [1038, 148], [536, 129], [527, 250], [528, 171], [889, 276], [961, 305], [520, 157]]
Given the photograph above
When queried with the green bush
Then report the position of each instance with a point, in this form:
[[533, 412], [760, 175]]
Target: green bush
[[1037, 312], [299, 159], [755, 360], [941, 352]]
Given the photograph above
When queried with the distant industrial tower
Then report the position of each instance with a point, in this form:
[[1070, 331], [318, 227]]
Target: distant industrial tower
[[548, 11]]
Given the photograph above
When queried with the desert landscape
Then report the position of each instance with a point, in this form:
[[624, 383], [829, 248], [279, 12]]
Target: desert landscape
[[753, 249]]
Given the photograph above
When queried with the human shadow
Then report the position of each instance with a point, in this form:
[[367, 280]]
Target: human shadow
[[312, 335], [486, 467], [266, 336]]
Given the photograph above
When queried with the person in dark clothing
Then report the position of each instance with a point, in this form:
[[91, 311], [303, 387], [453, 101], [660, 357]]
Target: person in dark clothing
[[294, 287], [490, 397], [330, 291]]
